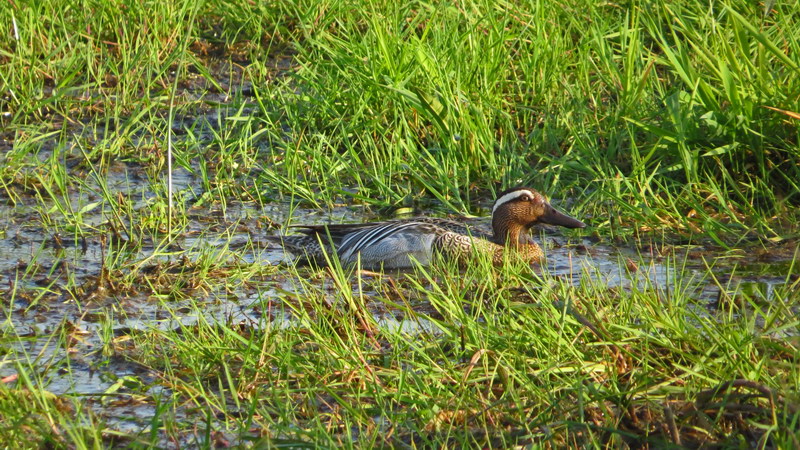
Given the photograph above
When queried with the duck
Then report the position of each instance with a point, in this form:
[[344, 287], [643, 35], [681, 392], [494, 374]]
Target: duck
[[401, 244]]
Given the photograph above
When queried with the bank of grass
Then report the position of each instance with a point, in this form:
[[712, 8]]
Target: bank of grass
[[485, 357], [673, 115], [672, 118], [496, 360]]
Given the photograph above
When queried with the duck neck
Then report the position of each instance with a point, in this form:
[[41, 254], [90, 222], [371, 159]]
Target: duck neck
[[508, 233]]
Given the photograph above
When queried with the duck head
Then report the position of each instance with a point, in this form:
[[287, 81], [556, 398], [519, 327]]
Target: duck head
[[516, 210]]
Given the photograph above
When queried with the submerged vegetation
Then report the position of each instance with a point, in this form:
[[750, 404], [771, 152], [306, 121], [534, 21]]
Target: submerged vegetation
[[671, 128]]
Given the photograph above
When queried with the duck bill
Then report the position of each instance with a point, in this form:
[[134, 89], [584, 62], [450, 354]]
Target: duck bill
[[555, 217]]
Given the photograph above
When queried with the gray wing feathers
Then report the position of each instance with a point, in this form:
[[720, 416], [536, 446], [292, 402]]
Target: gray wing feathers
[[369, 238], [390, 244]]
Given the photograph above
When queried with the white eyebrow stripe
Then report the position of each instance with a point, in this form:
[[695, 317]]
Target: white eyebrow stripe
[[510, 196]]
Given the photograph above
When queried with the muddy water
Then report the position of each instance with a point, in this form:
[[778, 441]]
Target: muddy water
[[49, 277], [40, 270]]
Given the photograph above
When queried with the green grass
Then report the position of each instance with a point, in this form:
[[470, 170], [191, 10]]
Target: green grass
[[497, 364], [658, 123], [653, 113]]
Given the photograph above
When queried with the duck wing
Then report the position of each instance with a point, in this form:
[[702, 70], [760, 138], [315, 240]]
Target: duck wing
[[391, 244], [336, 231], [390, 239]]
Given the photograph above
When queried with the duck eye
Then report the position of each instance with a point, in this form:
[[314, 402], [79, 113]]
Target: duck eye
[[525, 198]]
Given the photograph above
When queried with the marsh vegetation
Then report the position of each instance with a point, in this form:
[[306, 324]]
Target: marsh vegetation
[[671, 128]]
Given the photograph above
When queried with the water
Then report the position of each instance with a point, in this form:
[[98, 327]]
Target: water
[[51, 278], [49, 281], [59, 312]]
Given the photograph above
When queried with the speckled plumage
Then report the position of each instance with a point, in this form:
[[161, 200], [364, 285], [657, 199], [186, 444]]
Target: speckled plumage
[[398, 243]]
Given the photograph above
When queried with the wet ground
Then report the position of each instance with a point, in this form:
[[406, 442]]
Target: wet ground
[[93, 290], [51, 283]]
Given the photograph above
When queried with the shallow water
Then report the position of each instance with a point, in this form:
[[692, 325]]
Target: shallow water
[[55, 315], [38, 269]]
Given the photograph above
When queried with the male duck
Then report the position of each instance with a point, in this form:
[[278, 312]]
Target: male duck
[[395, 244]]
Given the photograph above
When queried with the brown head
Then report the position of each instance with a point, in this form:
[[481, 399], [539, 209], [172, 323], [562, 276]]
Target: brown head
[[518, 209]]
